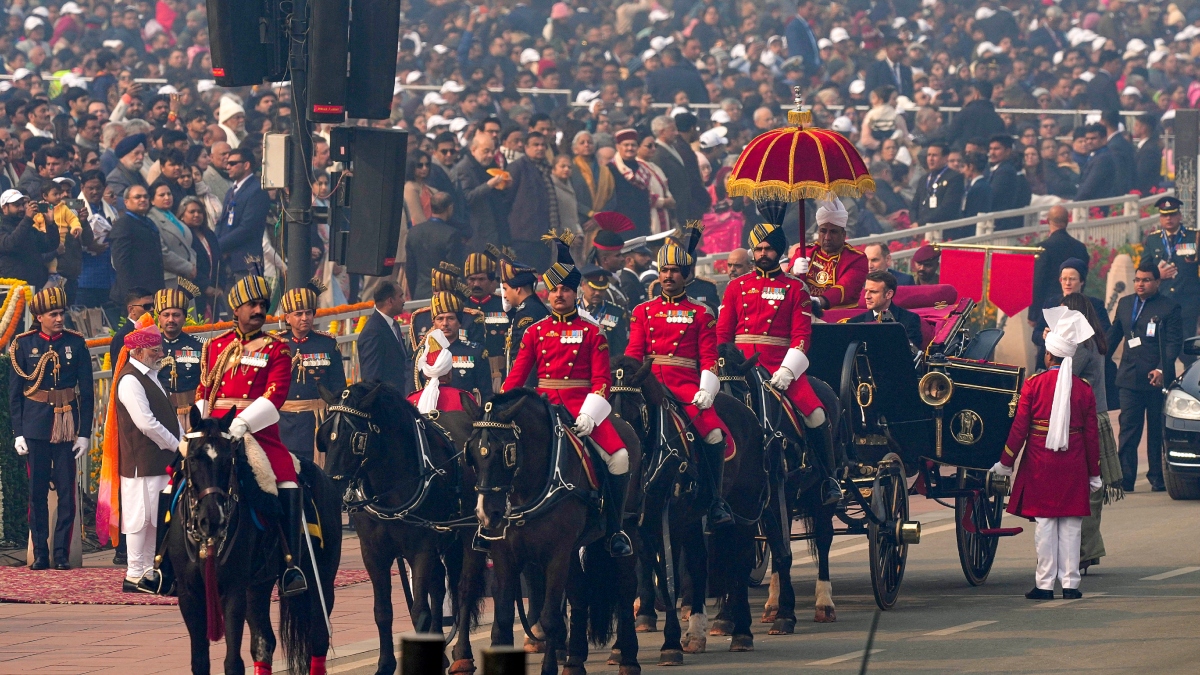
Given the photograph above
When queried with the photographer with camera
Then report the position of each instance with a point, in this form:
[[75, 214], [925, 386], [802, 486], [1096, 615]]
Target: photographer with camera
[[21, 245]]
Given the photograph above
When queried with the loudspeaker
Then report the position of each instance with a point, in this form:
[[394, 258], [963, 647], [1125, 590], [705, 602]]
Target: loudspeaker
[[376, 198], [327, 56], [243, 39], [374, 34]]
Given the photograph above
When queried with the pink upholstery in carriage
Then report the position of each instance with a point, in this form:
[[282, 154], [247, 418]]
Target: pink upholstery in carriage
[[922, 300]]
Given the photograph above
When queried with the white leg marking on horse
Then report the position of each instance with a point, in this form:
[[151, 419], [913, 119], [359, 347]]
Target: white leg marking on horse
[[824, 594], [773, 592]]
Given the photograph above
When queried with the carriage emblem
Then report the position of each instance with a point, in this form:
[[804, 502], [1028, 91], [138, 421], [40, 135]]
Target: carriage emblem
[[967, 427]]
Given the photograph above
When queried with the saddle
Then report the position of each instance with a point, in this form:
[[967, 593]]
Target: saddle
[[585, 448]]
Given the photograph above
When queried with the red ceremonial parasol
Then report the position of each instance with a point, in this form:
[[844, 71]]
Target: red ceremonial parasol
[[797, 162]]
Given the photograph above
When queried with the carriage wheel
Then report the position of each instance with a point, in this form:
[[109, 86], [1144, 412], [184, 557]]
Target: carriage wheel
[[977, 552], [889, 502], [762, 560]]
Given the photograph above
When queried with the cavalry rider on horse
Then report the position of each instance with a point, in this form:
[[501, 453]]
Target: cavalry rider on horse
[[251, 371], [678, 335], [769, 313], [571, 356]]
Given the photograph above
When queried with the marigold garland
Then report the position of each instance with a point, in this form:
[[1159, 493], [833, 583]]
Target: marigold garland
[[13, 309]]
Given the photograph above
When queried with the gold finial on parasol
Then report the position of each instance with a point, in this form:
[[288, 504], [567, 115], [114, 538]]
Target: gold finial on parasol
[[796, 116]]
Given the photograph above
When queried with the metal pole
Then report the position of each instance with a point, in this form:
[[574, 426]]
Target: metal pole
[[298, 214], [421, 653]]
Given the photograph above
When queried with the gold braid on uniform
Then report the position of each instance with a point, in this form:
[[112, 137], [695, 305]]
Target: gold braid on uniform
[[39, 371], [231, 354], [298, 364]]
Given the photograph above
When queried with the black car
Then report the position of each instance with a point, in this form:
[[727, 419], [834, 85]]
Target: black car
[[1181, 430]]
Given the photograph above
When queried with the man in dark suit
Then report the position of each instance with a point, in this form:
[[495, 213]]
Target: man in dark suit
[[978, 197], [890, 70], [676, 75], [670, 161], [878, 291], [1099, 176], [1058, 248], [978, 117], [699, 200], [939, 195], [243, 216], [1147, 323], [801, 41], [1147, 154], [1102, 90], [1122, 151], [136, 247], [1010, 189], [879, 259], [432, 241], [382, 356]]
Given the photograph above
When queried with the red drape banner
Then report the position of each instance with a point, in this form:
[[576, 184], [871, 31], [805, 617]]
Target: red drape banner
[[963, 269], [1011, 285]]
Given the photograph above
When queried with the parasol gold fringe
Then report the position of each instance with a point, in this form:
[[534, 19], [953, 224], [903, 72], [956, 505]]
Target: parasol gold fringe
[[791, 192], [799, 118]]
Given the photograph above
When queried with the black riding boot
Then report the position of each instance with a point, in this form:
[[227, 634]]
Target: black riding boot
[[615, 489], [160, 579], [292, 581], [821, 441], [712, 468]]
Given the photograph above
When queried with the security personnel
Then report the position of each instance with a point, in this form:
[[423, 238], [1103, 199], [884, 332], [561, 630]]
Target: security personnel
[[608, 253], [698, 288], [679, 336], [316, 362], [1172, 248], [179, 373], [612, 317], [482, 281], [768, 313], [837, 271], [444, 277], [524, 307], [1147, 322], [469, 370], [570, 357], [51, 401], [250, 371]]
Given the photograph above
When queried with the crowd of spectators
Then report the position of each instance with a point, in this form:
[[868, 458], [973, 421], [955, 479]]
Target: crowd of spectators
[[531, 114]]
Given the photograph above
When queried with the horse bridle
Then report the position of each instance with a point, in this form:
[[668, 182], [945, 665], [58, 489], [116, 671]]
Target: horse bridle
[[227, 498], [511, 457], [619, 388], [359, 439]]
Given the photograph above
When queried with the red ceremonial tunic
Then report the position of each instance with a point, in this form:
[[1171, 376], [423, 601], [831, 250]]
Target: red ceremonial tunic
[[262, 368], [679, 335], [838, 278], [571, 355], [1052, 484], [767, 313]]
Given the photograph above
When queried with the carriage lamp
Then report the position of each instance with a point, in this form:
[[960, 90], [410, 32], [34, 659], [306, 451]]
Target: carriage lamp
[[1182, 405], [935, 388]]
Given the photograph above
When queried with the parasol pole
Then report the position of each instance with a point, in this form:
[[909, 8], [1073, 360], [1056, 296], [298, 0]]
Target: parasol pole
[[798, 99]]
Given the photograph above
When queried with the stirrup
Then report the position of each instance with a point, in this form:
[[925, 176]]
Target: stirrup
[[292, 582], [719, 515], [831, 491], [619, 545], [151, 582]]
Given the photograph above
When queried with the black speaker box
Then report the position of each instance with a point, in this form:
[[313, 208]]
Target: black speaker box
[[243, 37], [327, 56], [374, 34], [376, 198]]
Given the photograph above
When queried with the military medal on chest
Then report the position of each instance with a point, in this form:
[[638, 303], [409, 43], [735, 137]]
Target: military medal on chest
[[464, 362], [315, 360], [773, 294], [571, 337], [255, 360], [608, 321], [680, 316]]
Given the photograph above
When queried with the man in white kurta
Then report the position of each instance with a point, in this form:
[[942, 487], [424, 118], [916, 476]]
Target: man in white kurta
[[149, 436]]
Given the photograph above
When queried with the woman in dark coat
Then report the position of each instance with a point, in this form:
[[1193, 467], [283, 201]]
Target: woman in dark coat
[[191, 213]]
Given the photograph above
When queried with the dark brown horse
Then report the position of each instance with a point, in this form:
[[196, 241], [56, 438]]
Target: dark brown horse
[[536, 508], [674, 507]]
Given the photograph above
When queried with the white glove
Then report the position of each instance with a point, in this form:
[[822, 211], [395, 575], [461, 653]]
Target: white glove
[[1095, 483], [584, 424], [702, 400], [1001, 470], [238, 428], [21, 446], [81, 446], [783, 378], [800, 267]]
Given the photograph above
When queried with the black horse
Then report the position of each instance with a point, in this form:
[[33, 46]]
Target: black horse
[[399, 472], [536, 508], [796, 490], [674, 507], [225, 546]]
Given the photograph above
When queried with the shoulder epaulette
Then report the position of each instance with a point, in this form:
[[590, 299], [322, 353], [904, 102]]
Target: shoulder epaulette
[[74, 332], [325, 333], [700, 278], [1159, 231], [25, 334]]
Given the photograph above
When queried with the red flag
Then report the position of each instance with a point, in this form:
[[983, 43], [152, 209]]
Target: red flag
[[1011, 287], [963, 269]]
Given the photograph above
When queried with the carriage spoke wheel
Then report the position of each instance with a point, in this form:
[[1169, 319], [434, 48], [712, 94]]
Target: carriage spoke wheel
[[762, 558], [889, 502], [977, 552]]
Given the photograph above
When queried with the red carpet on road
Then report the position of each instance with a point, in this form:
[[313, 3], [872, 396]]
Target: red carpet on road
[[95, 586]]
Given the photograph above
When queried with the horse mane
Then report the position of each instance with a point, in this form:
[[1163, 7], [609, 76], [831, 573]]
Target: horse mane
[[388, 403], [635, 376]]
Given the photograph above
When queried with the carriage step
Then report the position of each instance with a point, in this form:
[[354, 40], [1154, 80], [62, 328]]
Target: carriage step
[[1001, 531]]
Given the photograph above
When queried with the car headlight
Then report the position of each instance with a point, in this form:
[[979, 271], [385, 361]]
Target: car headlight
[[1182, 405]]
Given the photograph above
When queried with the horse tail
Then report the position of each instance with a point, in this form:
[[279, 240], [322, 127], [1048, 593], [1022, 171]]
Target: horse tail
[[601, 581], [301, 625]]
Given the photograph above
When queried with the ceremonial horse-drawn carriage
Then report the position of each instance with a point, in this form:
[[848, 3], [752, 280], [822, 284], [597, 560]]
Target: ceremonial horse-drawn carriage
[[930, 421]]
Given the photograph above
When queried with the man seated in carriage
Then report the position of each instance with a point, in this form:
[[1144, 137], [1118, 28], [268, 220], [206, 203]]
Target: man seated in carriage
[[447, 365], [768, 312], [571, 356], [878, 292], [836, 271], [678, 335]]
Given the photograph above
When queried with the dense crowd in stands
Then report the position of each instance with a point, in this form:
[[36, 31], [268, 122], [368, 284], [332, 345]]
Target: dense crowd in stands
[[115, 130]]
